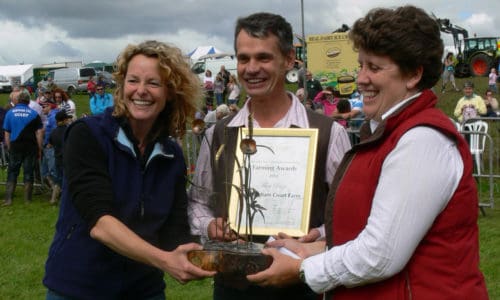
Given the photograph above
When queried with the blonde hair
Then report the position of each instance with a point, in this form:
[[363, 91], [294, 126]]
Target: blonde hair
[[184, 87]]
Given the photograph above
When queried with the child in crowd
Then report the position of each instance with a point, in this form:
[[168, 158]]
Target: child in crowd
[[492, 80], [343, 106]]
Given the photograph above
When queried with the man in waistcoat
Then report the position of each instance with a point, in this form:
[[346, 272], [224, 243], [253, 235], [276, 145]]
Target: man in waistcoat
[[264, 49]]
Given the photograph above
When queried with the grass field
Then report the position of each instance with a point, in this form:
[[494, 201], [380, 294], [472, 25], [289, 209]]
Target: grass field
[[26, 232]]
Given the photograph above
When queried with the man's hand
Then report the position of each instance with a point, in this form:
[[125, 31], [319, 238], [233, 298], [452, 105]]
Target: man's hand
[[219, 229]]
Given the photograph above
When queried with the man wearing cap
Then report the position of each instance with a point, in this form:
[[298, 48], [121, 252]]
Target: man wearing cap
[[23, 131], [470, 105], [56, 140], [100, 101]]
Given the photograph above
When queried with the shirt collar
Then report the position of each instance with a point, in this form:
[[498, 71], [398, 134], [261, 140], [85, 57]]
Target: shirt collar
[[374, 124], [294, 117]]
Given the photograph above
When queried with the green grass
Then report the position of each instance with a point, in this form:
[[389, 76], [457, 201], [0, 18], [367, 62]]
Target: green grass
[[26, 232]]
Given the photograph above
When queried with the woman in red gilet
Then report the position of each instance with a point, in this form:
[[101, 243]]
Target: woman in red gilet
[[401, 216]]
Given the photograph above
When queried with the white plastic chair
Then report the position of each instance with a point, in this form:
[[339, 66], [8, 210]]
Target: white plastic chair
[[477, 140]]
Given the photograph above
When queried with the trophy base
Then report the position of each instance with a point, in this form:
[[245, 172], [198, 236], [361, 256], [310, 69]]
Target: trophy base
[[231, 260]]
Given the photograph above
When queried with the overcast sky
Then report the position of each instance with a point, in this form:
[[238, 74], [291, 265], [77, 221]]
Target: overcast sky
[[46, 31]]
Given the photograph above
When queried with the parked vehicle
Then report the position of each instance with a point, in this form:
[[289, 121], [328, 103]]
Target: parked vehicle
[[477, 55], [5, 85], [14, 75], [107, 78], [71, 79], [213, 62]]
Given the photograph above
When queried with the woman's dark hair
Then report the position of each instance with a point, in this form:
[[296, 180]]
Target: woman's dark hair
[[408, 35]]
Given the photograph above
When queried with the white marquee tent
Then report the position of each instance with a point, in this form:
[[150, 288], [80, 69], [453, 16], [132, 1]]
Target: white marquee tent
[[201, 51]]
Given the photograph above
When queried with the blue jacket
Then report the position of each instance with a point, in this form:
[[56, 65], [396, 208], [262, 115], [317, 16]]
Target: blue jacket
[[151, 201], [51, 125], [99, 103]]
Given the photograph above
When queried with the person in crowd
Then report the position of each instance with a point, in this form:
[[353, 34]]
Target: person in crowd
[[449, 72], [217, 114], [56, 140], [313, 86], [210, 118], [50, 85], [222, 111], [44, 98], [470, 105], [24, 89], [491, 104], [101, 81], [12, 98], [100, 101], [355, 111], [91, 87], [47, 170], [118, 238], [23, 132], [208, 85], [492, 80], [219, 88], [265, 53], [64, 102], [40, 90], [224, 74], [394, 218], [301, 74], [326, 100], [34, 105], [343, 108], [233, 87]]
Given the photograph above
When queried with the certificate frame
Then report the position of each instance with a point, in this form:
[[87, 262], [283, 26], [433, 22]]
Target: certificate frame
[[284, 178]]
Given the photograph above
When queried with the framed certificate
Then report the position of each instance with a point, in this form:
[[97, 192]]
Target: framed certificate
[[282, 172]]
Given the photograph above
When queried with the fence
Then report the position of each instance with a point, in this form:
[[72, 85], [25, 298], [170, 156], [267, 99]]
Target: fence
[[486, 168], [485, 146]]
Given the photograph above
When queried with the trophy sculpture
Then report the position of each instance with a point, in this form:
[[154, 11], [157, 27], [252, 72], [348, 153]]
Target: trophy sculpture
[[233, 258]]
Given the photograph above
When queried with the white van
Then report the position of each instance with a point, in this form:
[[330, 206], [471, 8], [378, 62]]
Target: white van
[[213, 62], [71, 79], [5, 85]]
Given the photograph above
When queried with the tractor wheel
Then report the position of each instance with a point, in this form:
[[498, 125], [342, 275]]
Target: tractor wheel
[[292, 76], [480, 65]]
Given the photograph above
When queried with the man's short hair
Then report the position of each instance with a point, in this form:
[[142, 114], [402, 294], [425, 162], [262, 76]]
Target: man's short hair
[[23, 98], [261, 25]]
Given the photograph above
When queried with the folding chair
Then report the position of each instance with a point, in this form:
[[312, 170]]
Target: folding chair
[[477, 137]]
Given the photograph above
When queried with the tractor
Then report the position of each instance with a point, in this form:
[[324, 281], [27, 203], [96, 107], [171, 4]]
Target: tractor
[[476, 55]]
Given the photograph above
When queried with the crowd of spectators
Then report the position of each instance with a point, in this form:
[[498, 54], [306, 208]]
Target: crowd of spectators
[[38, 149]]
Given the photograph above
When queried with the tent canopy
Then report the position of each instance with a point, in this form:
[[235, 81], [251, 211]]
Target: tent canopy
[[15, 70], [201, 51]]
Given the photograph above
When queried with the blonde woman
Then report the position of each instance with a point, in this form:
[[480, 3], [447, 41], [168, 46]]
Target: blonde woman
[[123, 209], [234, 90]]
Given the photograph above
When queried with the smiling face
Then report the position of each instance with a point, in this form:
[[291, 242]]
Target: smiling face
[[382, 84], [144, 91], [261, 65]]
